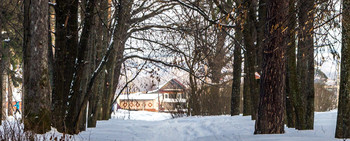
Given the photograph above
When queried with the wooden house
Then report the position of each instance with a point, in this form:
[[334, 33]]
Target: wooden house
[[168, 97]]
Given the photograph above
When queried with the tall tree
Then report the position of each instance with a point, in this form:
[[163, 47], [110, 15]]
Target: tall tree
[[270, 118], [36, 90], [1, 66], [113, 67], [249, 38], [291, 80], [343, 119], [98, 42], [66, 44], [305, 64], [76, 93], [237, 64]]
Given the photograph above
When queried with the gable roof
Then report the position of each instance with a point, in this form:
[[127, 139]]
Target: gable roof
[[172, 84]]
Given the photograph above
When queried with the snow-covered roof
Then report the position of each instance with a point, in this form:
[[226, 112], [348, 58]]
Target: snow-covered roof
[[139, 96]]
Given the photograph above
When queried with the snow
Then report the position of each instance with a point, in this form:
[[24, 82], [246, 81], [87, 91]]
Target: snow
[[7, 40], [152, 126]]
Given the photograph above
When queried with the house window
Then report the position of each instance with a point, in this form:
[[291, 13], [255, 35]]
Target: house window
[[166, 96], [172, 96], [178, 96]]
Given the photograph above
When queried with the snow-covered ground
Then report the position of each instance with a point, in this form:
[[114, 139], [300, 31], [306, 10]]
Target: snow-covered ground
[[151, 126]]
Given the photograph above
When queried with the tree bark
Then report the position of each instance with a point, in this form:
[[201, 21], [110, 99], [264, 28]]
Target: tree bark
[[114, 66], [343, 119], [9, 91], [99, 42], [66, 45], [1, 66], [76, 96], [305, 64], [249, 39], [36, 90], [271, 106], [237, 67], [247, 106], [291, 80]]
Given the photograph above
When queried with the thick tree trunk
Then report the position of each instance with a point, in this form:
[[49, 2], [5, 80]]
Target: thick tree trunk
[[3, 86], [260, 34], [66, 45], [112, 78], [247, 106], [194, 96], [108, 86], [6, 82], [1, 67], [291, 80], [100, 42], [271, 106], [237, 67], [249, 39], [76, 96], [36, 90], [343, 119], [216, 62], [305, 64], [260, 29]]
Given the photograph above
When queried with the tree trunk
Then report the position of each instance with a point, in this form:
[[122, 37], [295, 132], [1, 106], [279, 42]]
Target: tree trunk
[[124, 15], [9, 89], [249, 39], [100, 42], [291, 80], [247, 109], [108, 86], [260, 29], [3, 85], [271, 106], [1, 67], [305, 63], [343, 119], [66, 45], [76, 95], [237, 67], [36, 90], [6, 82], [260, 34]]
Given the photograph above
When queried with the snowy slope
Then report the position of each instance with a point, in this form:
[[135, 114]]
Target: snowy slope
[[152, 126]]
